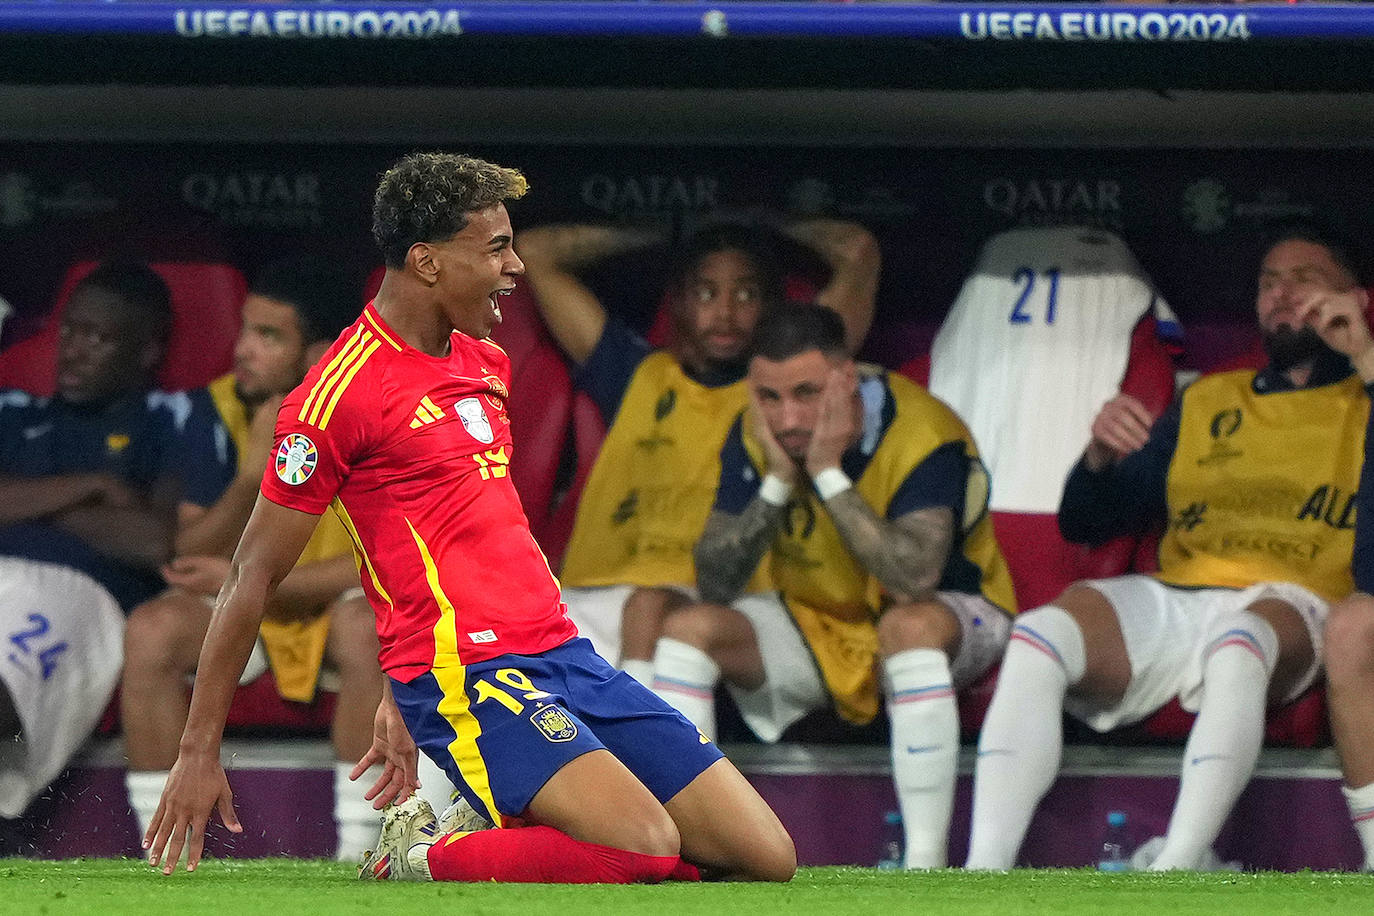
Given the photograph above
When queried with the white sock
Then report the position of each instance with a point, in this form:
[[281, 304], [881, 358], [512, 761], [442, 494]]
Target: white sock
[[1361, 802], [435, 786], [145, 791], [925, 750], [641, 669], [685, 678], [358, 824], [1022, 737], [1225, 741]]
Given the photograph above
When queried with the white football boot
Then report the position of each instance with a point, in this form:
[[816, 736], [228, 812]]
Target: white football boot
[[402, 853]]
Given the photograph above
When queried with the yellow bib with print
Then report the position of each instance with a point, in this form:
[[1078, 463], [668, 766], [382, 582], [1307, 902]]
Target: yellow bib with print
[[833, 598], [1262, 486], [295, 649], [654, 481]]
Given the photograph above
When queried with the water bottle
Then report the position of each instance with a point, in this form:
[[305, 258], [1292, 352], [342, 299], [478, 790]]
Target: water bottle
[[1115, 852], [892, 841]]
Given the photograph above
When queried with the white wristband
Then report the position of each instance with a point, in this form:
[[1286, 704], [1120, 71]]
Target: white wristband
[[831, 482], [774, 490]]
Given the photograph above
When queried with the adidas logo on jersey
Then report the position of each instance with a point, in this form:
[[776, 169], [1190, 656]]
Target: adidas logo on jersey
[[426, 413]]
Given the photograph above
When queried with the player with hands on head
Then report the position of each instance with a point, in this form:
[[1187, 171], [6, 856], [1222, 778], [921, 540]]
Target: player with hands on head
[[864, 500], [1246, 473], [404, 431], [629, 559]]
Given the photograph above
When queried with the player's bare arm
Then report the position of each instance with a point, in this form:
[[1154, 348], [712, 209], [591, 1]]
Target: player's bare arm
[[137, 530], [731, 547], [553, 256], [272, 542], [906, 555], [310, 587], [851, 252], [24, 499]]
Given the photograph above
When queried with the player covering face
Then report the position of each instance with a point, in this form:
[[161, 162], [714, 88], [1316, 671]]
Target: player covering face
[[402, 427]]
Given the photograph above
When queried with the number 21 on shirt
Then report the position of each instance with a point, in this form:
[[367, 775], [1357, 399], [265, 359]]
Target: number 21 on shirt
[[1031, 278]]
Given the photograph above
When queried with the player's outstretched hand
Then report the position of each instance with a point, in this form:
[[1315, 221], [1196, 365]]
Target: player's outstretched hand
[[195, 787], [393, 747], [1122, 426]]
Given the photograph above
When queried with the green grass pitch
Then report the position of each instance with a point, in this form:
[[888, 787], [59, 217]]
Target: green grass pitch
[[286, 887]]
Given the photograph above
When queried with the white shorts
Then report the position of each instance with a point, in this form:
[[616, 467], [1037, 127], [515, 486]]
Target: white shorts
[[61, 651], [793, 685], [597, 610], [1165, 629]]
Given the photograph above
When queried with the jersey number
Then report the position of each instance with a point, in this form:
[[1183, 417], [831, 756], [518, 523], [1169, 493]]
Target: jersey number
[[514, 679], [493, 463], [1027, 276], [47, 657]]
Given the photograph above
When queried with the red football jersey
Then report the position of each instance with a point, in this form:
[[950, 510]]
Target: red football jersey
[[414, 453]]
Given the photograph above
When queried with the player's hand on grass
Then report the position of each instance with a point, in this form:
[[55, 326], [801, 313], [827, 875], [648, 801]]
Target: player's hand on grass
[[195, 787], [1121, 427], [392, 747]]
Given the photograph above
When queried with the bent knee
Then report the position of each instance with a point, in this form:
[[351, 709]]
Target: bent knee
[[776, 860], [653, 836], [707, 626], [164, 630], [1349, 641], [919, 625]]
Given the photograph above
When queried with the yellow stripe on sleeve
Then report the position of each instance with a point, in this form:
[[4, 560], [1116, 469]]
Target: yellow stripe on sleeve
[[380, 332], [336, 372], [348, 377], [327, 373]]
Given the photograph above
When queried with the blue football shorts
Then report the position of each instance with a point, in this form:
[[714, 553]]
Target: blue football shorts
[[502, 727]]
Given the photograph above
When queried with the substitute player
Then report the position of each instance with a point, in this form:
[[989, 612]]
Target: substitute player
[[1339, 318], [402, 427], [868, 499], [1254, 473]]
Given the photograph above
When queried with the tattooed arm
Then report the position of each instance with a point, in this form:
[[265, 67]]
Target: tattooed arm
[[907, 555], [732, 546]]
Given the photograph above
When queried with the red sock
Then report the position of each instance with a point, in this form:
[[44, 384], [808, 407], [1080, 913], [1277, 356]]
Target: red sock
[[541, 854]]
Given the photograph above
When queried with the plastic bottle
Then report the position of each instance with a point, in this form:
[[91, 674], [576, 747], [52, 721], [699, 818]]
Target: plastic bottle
[[1115, 852], [892, 841]]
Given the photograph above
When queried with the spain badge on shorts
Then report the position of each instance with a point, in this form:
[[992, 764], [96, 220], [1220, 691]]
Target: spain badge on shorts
[[296, 458], [555, 724]]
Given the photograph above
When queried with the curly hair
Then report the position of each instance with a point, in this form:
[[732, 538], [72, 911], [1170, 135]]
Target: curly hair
[[426, 197]]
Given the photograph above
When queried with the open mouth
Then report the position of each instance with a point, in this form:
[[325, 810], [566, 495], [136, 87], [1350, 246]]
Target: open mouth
[[496, 306]]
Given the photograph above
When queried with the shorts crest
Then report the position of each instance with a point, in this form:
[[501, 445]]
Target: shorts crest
[[555, 724]]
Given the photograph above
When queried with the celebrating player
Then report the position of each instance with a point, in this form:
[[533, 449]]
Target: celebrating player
[[1252, 472], [402, 427]]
